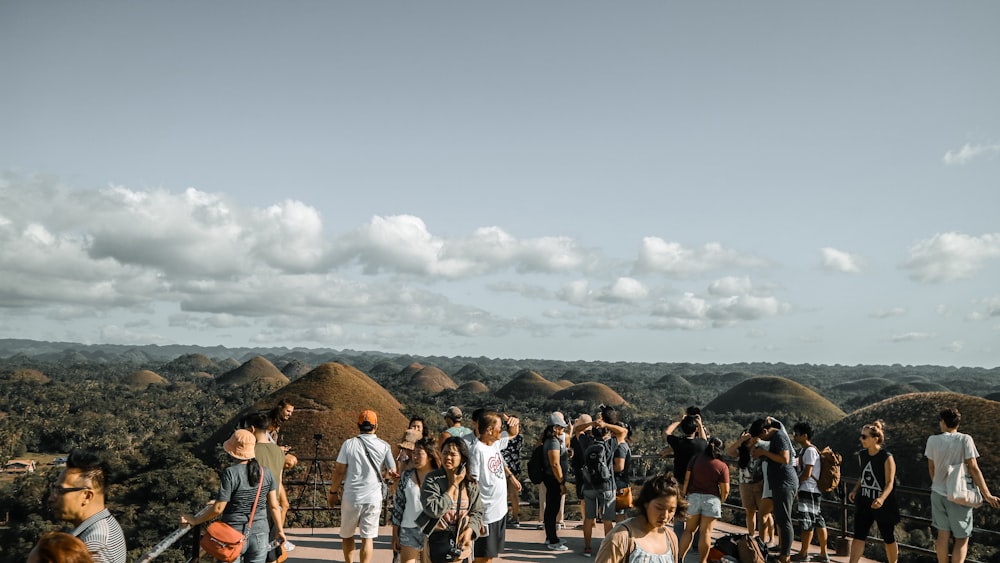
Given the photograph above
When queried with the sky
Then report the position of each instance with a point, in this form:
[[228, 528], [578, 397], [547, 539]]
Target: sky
[[645, 181]]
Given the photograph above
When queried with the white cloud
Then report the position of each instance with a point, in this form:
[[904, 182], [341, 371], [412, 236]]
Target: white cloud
[[910, 336], [746, 308], [403, 244], [951, 256], [672, 258], [840, 261], [969, 152], [626, 289], [888, 313], [954, 346], [990, 309], [730, 286]]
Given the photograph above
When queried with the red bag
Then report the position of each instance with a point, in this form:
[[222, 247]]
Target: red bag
[[222, 542]]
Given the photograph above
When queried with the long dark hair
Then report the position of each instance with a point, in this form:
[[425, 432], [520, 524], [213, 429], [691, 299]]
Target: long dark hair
[[463, 451], [254, 472], [429, 445]]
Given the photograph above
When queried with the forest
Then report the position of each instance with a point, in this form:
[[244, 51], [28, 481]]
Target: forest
[[159, 431]]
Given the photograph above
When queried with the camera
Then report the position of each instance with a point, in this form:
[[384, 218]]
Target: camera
[[454, 552], [317, 437]]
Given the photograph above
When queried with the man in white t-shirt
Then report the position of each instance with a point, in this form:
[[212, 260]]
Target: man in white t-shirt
[[944, 450], [361, 465], [487, 466], [810, 497]]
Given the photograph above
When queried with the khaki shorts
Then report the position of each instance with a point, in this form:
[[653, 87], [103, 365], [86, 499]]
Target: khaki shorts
[[363, 517], [751, 495]]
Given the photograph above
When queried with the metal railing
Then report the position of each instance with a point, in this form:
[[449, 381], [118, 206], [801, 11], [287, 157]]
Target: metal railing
[[167, 542], [845, 511]]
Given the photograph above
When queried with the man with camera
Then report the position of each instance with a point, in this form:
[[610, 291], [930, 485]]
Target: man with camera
[[362, 464], [597, 472]]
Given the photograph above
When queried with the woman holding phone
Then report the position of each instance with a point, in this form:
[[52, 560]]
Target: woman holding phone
[[452, 513]]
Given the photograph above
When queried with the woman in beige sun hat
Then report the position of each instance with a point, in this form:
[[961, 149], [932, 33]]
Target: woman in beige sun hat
[[234, 502]]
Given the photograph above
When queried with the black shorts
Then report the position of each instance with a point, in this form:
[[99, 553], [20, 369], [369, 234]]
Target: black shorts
[[491, 545]]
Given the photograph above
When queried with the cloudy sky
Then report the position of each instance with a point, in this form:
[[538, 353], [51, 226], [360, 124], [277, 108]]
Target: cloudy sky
[[647, 181]]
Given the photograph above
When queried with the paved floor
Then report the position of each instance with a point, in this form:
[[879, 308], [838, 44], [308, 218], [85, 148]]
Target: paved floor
[[522, 545]]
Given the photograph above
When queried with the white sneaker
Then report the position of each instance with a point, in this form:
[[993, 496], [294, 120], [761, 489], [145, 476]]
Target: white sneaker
[[289, 546], [557, 547]]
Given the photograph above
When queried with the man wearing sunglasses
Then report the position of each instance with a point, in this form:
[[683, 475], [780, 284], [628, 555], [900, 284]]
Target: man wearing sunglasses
[[77, 497]]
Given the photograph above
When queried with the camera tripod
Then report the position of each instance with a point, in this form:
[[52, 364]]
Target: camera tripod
[[314, 476]]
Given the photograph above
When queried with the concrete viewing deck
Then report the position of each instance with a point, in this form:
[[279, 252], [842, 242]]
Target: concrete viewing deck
[[522, 545]]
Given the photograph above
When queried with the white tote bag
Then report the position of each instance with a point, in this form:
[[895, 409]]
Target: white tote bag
[[961, 489]]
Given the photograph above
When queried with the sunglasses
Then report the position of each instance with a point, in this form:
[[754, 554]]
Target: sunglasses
[[64, 490]]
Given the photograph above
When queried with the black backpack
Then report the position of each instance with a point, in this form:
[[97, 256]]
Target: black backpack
[[536, 465], [596, 471]]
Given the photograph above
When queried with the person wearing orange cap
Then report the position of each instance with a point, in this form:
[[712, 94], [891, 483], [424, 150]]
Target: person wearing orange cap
[[362, 464]]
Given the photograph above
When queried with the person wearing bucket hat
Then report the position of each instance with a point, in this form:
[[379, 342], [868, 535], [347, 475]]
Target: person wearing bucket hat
[[363, 464], [237, 492], [404, 457]]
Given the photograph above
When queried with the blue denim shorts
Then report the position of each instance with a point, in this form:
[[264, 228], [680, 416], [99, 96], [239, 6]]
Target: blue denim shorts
[[705, 505], [412, 537]]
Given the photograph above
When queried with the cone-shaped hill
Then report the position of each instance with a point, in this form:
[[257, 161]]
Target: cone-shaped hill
[[674, 383], [256, 369], [476, 387], [589, 392], [295, 368], [909, 420], [327, 401], [470, 372], [190, 363], [144, 378], [777, 395], [430, 379], [528, 384], [565, 383], [29, 375]]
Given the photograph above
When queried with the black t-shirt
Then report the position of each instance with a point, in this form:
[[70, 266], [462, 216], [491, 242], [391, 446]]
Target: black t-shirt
[[684, 450]]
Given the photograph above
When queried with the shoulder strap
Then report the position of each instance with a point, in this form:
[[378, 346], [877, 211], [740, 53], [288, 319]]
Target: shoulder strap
[[631, 541], [260, 486], [368, 454]]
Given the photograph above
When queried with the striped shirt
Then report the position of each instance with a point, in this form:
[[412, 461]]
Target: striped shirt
[[238, 494], [103, 536]]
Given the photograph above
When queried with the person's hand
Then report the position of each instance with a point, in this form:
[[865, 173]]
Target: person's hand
[[516, 483], [187, 519], [850, 495], [333, 498], [396, 546], [992, 500], [464, 540], [512, 421], [458, 475], [280, 537]]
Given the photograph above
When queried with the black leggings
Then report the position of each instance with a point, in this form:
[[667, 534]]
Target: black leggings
[[553, 498], [863, 520]]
